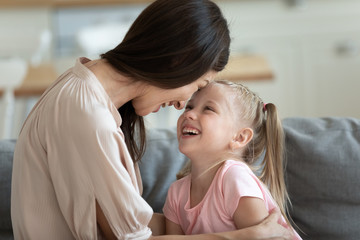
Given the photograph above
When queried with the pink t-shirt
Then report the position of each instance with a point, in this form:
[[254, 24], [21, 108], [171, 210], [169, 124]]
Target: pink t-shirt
[[215, 212]]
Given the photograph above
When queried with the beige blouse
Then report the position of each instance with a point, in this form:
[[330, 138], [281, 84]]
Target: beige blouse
[[71, 152]]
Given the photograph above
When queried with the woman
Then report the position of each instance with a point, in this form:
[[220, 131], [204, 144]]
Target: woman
[[75, 172]]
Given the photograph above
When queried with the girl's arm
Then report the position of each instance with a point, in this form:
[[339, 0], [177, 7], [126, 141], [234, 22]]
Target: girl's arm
[[249, 212], [157, 224], [173, 228], [266, 230]]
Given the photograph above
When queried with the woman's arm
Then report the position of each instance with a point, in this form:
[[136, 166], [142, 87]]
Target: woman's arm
[[266, 230], [103, 224]]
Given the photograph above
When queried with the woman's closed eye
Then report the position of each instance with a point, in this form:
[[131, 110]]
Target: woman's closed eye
[[204, 85], [188, 107]]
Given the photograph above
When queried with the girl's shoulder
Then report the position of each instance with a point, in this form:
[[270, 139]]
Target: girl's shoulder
[[234, 171], [237, 175], [237, 181], [180, 184], [234, 165]]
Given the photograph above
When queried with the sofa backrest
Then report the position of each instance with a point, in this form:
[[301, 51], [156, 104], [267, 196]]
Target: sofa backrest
[[322, 174], [6, 156]]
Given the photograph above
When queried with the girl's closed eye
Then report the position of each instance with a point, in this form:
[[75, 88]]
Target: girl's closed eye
[[208, 108]]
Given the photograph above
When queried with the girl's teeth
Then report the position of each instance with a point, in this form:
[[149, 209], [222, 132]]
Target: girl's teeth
[[190, 131]]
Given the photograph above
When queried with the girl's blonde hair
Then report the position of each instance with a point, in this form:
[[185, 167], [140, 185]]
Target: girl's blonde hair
[[268, 137]]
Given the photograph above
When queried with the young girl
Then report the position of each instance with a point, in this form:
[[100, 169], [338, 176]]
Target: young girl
[[224, 129]]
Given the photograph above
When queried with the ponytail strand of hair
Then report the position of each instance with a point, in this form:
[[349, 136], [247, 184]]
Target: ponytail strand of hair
[[273, 166]]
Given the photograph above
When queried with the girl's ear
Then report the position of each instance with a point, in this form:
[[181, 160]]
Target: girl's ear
[[241, 139]]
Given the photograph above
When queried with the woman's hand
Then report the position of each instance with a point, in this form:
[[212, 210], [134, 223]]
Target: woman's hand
[[271, 229]]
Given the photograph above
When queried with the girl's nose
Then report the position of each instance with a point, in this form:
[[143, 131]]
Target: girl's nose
[[190, 114]]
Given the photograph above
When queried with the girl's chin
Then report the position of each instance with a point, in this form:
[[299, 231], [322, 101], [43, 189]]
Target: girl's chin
[[185, 150]]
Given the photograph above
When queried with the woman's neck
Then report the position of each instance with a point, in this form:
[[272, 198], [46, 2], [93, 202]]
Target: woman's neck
[[119, 88]]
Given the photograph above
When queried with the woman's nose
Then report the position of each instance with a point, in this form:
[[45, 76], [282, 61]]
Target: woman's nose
[[179, 105]]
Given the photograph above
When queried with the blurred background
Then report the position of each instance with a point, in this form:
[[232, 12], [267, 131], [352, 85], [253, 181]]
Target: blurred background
[[303, 55]]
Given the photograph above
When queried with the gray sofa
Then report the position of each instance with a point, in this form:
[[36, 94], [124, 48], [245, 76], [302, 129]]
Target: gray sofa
[[322, 175]]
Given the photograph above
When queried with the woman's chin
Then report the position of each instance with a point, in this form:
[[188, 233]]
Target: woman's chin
[[156, 110], [142, 113]]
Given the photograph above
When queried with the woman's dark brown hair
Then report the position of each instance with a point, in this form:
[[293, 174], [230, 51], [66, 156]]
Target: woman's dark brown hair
[[171, 44]]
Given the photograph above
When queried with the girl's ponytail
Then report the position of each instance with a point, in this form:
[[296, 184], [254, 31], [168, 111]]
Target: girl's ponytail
[[274, 161]]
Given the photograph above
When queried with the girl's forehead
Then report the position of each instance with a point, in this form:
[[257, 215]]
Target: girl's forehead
[[216, 92], [216, 89]]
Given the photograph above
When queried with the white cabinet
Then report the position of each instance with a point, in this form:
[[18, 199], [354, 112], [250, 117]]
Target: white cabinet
[[21, 30], [332, 75], [314, 51]]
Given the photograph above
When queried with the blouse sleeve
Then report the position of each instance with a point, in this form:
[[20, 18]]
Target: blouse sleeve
[[238, 183], [88, 162]]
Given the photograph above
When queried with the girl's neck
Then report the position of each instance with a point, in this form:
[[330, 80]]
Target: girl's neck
[[201, 180], [203, 165]]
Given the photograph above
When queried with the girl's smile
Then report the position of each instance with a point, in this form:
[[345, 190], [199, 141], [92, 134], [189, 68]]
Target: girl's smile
[[189, 131]]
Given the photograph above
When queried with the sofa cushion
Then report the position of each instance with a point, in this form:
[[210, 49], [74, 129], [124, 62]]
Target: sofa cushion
[[6, 157], [323, 169], [159, 165]]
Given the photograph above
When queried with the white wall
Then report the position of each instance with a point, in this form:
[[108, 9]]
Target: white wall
[[313, 49]]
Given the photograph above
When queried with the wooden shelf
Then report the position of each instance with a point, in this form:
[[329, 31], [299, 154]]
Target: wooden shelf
[[239, 68], [71, 3], [247, 68], [36, 81], [78, 3], [66, 3]]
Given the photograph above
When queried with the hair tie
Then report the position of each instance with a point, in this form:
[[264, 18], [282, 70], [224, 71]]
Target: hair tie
[[264, 107]]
